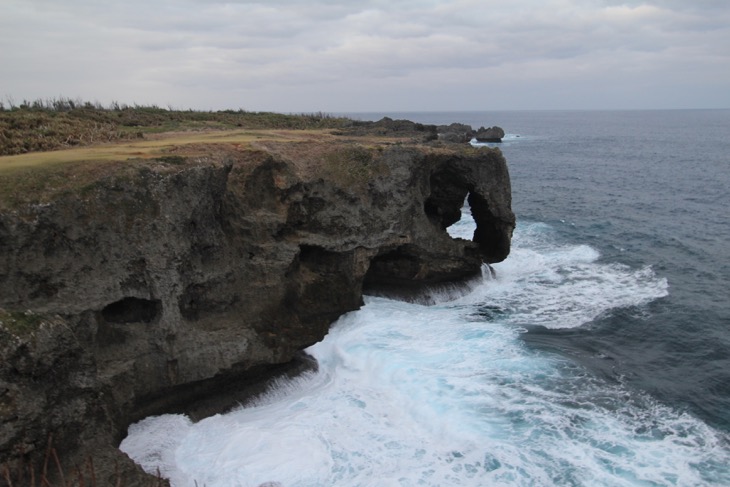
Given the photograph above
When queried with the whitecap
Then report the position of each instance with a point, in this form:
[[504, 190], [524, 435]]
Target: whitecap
[[408, 394]]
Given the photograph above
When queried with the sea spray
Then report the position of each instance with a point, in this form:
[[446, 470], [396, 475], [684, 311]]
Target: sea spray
[[448, 394]]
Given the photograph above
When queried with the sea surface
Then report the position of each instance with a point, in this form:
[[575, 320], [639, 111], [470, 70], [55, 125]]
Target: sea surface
[[599, 355]]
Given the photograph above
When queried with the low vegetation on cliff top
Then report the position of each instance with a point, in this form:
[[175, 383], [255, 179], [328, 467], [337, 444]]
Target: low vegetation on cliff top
[[45, 125], [32, 135], [55, 146]]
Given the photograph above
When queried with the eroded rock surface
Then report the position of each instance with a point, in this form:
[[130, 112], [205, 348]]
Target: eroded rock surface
[[165, 281], [489, 134]]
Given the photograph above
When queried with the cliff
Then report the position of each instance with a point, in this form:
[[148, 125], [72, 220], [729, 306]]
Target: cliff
[[136, 287]]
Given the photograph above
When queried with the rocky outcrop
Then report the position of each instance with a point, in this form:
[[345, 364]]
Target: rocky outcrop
[[165, 281], [456, 132], [490, 134], [387, 127]]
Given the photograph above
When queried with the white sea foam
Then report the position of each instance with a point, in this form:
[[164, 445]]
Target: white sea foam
[[409, 395], [154, 441], [561, 286], [507, 140]]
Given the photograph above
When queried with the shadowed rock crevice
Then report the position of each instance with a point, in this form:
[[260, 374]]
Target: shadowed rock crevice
[[132, 310], [493, 234], [330, 282], [199, 299], [407, 271], [448, 191], [393, 268]]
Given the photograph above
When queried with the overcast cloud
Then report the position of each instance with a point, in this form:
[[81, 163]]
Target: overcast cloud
[[370, 55]]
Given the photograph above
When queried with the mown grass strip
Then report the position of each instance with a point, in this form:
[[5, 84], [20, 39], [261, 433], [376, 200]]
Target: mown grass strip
[[146, 149]]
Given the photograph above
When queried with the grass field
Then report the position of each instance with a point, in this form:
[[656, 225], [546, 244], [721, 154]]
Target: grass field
[[157, 146], [55, 147], [54, 124], [38, 176]]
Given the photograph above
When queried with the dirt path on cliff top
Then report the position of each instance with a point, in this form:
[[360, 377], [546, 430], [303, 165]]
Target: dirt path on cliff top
[[155, 146]]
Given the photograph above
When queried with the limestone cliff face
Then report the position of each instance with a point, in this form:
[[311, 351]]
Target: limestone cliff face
[[162, 281]]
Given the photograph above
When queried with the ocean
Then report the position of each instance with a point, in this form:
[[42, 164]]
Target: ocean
[[598, 355]]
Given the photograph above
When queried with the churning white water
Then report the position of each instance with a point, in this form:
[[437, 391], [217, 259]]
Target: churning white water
[[449, 394]]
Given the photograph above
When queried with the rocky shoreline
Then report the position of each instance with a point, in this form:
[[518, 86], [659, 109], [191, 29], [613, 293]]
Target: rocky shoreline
[[173, 283]]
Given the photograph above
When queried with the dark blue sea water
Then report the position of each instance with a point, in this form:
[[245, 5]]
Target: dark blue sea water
[[600, 354], [644, 188]]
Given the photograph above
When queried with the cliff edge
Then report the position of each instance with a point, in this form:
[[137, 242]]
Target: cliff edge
[[135, 287]]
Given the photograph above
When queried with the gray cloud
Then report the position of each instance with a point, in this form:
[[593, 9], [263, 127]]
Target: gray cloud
[[373, 54]]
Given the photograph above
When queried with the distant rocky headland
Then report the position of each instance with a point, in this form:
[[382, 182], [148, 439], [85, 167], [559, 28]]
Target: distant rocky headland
[[158, 272]]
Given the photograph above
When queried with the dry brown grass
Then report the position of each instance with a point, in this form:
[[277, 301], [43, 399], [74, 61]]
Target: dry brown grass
[[46, 125], [150, 148], [38, 177]]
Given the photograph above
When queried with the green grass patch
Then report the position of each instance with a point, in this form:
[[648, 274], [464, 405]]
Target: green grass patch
[[20, 324]]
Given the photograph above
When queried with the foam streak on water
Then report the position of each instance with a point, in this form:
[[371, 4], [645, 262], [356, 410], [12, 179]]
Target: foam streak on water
[[449, 394]]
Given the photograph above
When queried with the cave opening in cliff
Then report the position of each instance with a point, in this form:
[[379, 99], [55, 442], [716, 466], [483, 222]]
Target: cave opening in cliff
[[448, 195], [131, 310], [446, 217], [392, 273]]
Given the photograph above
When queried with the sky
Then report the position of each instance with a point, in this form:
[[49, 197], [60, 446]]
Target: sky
[[369, 55]]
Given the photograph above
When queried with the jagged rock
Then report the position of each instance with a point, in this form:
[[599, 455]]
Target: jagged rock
[[456, 133], [161, 283], [387, 127], [491, 134]]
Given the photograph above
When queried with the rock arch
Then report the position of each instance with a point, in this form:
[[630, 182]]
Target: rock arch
[[433, 258]]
